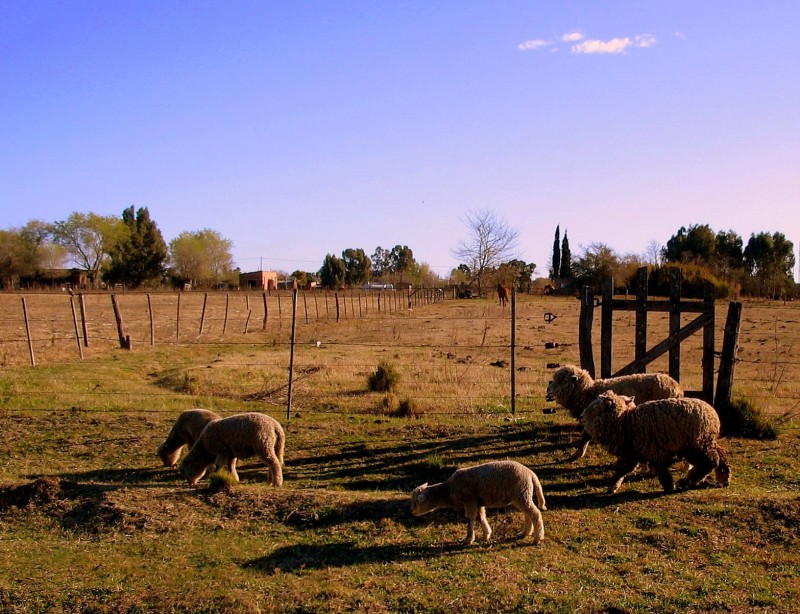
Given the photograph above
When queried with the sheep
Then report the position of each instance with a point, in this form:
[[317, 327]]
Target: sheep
[[659, 432], [492, 484], [185, 431], [238, 436], [573, 388]]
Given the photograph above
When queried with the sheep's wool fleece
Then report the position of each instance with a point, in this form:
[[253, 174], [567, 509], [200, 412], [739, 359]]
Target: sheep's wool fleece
[[656, 430]]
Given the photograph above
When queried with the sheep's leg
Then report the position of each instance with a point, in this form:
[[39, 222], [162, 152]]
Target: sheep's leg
[[533, 521], [623, 467], [229, 462], [664, 476], [471, 512], [276, 473], [487, 530], [583, 445]]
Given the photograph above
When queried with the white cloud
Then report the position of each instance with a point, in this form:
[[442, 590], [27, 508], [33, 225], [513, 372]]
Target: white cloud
[[533, 44], [571, 37], [615, 45]]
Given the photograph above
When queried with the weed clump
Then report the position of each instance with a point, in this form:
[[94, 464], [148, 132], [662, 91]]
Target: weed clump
[[221, 481], [741, 418], [384, 379], [408, 408]]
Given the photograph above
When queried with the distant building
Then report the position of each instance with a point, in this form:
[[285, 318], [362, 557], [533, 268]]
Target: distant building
[[259, 280]]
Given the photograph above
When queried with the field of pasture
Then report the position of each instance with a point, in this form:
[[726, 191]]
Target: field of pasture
[[90, 521]]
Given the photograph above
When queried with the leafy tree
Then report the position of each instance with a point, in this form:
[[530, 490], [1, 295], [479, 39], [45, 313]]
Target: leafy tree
[[401, 260], [491, 241], [140, 254], [770, 261], [730, 255], [597, 264], [17, 258], [696, 245], [357, 266], [517, 273], [381, 262], [201, 258], [87, 239], [554, 272], [565, 272], [332, 273]]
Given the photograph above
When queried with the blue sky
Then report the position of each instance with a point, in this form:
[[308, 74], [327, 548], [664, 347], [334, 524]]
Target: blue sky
[[298, 129]]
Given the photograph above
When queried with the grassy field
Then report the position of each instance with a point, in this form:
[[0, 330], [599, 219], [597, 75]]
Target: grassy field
[[89, 521]]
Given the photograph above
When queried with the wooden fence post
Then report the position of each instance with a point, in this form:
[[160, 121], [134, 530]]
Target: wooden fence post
[[178, 319], [203, 314], [82, 305], [291, 357], [640, 348], [727, 363], [585, 322], [124, 340], [28, 331], [225, 320], [266, 313], [675, 323], [606, 332], [152, 322], [708, 344], [513, 351], [75, 323]]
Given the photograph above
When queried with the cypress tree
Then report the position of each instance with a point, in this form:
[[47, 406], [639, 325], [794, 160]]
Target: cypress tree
[[556, 270], [566, 259]]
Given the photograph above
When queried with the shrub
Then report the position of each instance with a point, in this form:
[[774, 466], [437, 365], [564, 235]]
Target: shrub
[[384, 379], [221, 480], [408, 408], [741, 418]]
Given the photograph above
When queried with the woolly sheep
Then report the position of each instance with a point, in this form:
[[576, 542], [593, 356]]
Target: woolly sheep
[[658, 432], [185, 431], [239, 436], [492, 484], [573, 388]]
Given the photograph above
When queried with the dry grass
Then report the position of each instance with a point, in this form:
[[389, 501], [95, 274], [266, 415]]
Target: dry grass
[[89, 521]]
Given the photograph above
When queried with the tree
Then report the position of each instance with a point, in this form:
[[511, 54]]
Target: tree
[[517, 273], [381, 262], [554, 272], [597, 264], [654, 253], [17, 258], [201, 258], [730, 255], [697, 245], [332, 273], [87, 239], [770, 261], [491, 241], [140, 254], [357, 266], [565, 272]]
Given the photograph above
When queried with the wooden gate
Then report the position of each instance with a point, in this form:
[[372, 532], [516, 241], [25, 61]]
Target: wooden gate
[[675, 306]]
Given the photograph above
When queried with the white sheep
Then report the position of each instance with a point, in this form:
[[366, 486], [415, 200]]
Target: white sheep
[[573, 388], [239, 436], [492, 484], [185, 431], [658, 432]]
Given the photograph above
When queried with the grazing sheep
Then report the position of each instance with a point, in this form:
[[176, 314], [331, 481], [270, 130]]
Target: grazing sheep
[[658, 432], [239, 436], [493, 484], [573, 388], [185, 431]]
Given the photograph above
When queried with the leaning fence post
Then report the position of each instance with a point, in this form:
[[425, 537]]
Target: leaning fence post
[[513, 351], [152, 322], [28, 331], [291, 356], [82, 305], [75, 323], [727, 363], [203, 314], [124, 340]]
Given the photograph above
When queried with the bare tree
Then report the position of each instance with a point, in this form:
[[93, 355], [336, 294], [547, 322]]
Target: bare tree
[[491, 242]]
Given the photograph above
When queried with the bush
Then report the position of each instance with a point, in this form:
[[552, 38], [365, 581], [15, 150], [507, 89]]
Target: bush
[[384, 379], [408, 408], [741, 418]]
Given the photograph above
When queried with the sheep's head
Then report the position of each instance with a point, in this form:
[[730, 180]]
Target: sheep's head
[[192, 471], [168, 457], [723, 470], [563, 384], [607, 405], [420, 501]]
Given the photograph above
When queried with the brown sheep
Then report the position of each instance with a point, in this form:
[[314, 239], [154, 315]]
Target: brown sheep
[[658, 432], [573, 388], [185, 431], [239, 436]]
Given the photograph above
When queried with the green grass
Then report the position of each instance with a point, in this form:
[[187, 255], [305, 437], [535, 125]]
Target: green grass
[[90, 520]]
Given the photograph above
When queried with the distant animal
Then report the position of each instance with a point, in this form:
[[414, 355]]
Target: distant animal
[[492, 484], [238, 436], [502, 294], [184, 432], [574, 388], [658, 432]]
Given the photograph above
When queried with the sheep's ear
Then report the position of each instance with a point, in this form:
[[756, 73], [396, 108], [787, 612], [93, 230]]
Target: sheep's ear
[[574, 378]]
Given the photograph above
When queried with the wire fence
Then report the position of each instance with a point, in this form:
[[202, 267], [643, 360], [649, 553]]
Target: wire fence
[[230, 350]]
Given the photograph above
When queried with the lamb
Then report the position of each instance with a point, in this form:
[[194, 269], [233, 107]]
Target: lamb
[[185, 431], [239, 436], [573, 388], [659, 432], [492, 484]]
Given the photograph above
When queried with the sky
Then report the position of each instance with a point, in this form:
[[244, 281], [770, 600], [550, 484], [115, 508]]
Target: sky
[[299, 129]]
